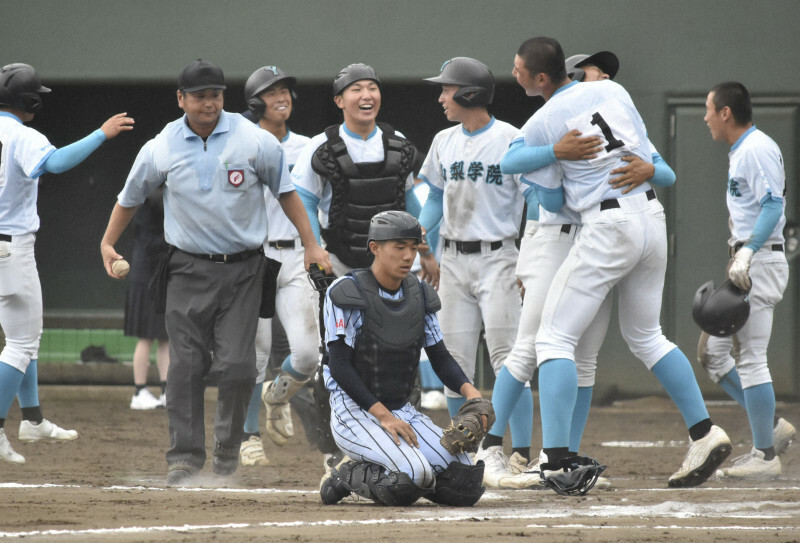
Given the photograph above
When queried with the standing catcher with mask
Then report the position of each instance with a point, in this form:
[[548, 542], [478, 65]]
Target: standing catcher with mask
[[270, 95], [25, 156], [755, 196], [377, 320]]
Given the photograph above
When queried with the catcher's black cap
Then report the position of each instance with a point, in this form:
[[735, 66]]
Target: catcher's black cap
[[352, 73], [605, 60], [199, 75]]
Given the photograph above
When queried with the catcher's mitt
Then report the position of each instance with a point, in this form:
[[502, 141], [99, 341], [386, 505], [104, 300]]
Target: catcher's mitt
[[466, 429], [573, 476]]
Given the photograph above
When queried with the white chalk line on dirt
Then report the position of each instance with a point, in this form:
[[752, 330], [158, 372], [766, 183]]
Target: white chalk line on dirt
[[671, 527]]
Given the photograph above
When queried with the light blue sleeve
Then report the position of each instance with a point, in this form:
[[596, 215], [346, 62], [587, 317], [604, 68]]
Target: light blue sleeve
[[433, 210], [552, 199], [68, 157], [412, 203], [311, 203], [771, 211], [664, 176], [532, 201], [521, 158]]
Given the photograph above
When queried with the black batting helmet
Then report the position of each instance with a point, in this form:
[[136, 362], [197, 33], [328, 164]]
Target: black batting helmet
[[20, 87], [720, 311], [388, 225], [352, 73], [261, 80], [605, 60], [474, 78]]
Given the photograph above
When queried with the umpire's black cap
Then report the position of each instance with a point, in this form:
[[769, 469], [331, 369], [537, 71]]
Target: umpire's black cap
[[199, 75]]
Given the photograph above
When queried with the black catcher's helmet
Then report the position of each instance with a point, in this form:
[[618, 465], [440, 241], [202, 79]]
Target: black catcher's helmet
[[352, 73], [388, 225]]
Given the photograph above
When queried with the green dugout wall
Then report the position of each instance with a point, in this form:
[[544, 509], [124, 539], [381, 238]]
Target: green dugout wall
[[106, 56]]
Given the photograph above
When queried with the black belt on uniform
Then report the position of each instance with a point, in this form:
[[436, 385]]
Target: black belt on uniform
[[228, 259], [282, 244], [777, 247], [5, 237], [566, 228], [613, 203], [471, 246]]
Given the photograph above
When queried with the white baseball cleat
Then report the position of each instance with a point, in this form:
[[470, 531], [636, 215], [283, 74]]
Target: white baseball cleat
[[6, 452], [144, 400], [498, 472], [251, 453], [44, 431], [753, 467], [782, 435], [703, 458]]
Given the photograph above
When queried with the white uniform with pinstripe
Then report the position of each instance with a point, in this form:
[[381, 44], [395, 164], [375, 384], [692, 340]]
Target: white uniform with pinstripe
[[359, 434]]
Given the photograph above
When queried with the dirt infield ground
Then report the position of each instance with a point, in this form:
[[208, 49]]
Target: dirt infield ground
[[109, 486]]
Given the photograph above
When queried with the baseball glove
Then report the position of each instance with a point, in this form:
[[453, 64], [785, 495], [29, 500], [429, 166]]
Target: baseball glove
[[466, 429], [573, 476]]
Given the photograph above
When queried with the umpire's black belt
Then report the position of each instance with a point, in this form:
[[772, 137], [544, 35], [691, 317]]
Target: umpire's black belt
[[5, 237], [282, 244], [468, 247], [228, 259], [613, 203], [777, 247]]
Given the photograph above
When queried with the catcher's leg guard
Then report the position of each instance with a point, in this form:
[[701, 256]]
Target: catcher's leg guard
[[325, 442], [459, 485], [282, 388], [371, 481]]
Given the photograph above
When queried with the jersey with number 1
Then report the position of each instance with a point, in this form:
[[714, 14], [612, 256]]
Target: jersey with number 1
[[480, 203], [603, 109]]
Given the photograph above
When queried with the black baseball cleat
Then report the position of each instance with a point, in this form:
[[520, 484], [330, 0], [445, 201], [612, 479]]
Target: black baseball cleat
[[333, 490]]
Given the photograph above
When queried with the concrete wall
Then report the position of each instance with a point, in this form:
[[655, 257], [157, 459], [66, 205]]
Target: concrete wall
[[103, 56]]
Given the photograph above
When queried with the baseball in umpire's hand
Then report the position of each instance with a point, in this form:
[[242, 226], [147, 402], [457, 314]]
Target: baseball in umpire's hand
[[120, 268]]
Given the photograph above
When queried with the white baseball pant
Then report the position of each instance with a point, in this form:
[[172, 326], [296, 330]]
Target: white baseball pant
[[20, 302]]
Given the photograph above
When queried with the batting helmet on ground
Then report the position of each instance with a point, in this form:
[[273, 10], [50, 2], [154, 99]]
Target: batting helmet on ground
[[261, 80], [393, 225], [352, 73], [20, 87], [720, 311], [605, 60], [474, 78]]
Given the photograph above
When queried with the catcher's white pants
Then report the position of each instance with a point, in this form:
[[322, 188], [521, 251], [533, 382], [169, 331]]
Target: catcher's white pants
[[626, 247], [362, 438], [473, 288], [543, 249], [297, 306], [769, 273], [20, 302]]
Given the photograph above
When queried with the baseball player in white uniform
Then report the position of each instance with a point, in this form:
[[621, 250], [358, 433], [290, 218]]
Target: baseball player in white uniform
[[482, 209], [755, 196], [25, 155], [270, 97], [622, 243], [545, 245]]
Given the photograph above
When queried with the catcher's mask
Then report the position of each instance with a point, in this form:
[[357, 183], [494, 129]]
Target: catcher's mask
[[573, 476]]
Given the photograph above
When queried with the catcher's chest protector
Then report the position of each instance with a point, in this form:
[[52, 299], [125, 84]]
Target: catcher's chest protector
[[361, 191], [390, 339]]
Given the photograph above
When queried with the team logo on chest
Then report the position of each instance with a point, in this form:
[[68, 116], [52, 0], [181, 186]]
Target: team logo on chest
[[235, 177]]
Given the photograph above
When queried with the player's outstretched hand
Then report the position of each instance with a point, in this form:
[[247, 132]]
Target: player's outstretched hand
[[631, 176], [116, 124], [430, 269], [574, 147]]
